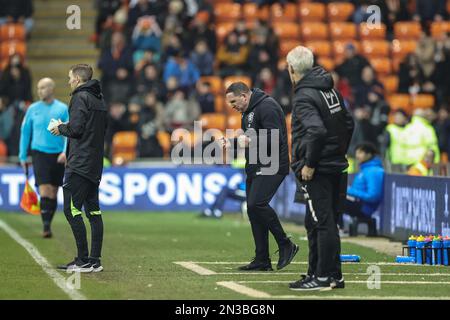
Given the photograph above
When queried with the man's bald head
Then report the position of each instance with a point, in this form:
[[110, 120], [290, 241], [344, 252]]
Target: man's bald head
[[46, 88]]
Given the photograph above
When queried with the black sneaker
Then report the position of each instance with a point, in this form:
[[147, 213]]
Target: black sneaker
[[257, 266], [287, 254], [77, 265], [96, 265], [338, 284], [47, 234], [314, 285], [303, 278]]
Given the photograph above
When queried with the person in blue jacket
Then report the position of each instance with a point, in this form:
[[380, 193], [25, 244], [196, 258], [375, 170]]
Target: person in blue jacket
[[366, 192]]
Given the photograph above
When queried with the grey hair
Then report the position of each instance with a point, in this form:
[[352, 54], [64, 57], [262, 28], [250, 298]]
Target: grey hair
[[301, 59]]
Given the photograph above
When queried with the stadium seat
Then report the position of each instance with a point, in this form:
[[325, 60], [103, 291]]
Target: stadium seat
[[367, 33], [407, 30], [424, 101], [216, 83], [399, 101], [314, 31], [124, 141], [251, 12], [339, 11], [164, 140], [311, 11], [12, 47], [12, 31], [218, 103], [287, 45], [327, 63], [286, 30], [390, 83], [234, 121], [375, 48], [320, 48], [227, 12], [400, 48], [223, 29], [286, 13], [439, 28], [382, 66], [213, 121], [342, 30], [229, 80]]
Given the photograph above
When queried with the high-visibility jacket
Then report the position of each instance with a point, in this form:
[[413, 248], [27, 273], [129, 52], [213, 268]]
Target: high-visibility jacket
[[396, 150], [419, 169]]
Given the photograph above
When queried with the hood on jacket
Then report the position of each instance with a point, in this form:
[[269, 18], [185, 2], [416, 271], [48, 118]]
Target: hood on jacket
[[374, 162], [316, 78], [257, 96], [92, 86]]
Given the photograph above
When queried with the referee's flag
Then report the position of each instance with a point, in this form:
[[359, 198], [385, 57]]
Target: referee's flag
[[29, 201]]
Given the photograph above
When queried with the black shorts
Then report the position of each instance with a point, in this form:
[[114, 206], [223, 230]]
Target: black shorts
[[80, 192], [46, 168]]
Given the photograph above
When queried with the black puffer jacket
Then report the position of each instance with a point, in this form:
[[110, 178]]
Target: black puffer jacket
[[321, 125], [264, 112], [86, 131]]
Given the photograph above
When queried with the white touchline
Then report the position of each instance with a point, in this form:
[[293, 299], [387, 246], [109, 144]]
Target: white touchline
[[344, 263], [352, 281], [344, 273], [57, 278], [232, 285], [196, 268]]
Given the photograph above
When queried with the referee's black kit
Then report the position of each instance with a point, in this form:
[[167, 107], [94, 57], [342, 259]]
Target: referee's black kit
[[321, 132], [86, 133]]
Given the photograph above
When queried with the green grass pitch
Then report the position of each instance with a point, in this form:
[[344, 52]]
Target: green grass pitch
[[141, 252]]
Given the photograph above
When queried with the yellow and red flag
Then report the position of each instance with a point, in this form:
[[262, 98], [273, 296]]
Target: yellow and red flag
[[29, 201]]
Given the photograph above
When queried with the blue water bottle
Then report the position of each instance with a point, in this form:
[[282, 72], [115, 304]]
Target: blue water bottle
[[428, 250], [446, 249], [436, 246], [350, 258], [405, 259], [420, 248], [412, 242]]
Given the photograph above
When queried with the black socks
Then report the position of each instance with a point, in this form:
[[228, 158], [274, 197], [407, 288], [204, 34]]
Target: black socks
[[48, 208]]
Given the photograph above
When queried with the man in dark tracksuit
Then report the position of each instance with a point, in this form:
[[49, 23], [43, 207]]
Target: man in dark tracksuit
[[86, 132], [260, 111], [321, 133]]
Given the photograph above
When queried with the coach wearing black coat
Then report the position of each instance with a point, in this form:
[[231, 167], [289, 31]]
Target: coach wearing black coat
[[321, 133], [264, 125]]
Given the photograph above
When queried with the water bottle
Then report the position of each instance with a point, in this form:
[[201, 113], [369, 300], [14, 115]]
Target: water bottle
[[428, 250], [405, 259], [350, 258], [412, 241], [446, 249], [436, 246], [420, 248]]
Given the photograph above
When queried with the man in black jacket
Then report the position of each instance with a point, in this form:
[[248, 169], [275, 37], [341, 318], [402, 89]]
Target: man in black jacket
[[86, 132], [321, 133], [264, 124]]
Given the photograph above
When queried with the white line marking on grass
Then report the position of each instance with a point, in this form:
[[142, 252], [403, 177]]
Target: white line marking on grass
[[232, 285], [57, 278], [352, 281], [344, 263], [345, 274], [196, 268]]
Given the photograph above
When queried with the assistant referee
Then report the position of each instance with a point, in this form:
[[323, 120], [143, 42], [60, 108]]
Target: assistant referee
[[86, 132], [47, 151]]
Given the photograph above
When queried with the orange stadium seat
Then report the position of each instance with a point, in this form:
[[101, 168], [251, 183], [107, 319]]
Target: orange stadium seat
[[382, 66], [327, 63], [124, 146], [339, 11], [367, 33], [252, 12], [424, 101], [407, 30], [9, 48], [286, 30], [287, 45], [376, 48], [312, 12], [439, 28], [213, 121], [223, 29], [216, 83], [229, 80], [400, 48], [390, 83], [12, 31], [286, 14], [227, 12], [164, 140], [320, 48], [399, 101], [234, 121], [218, 103], [342, 30], [314, 31]]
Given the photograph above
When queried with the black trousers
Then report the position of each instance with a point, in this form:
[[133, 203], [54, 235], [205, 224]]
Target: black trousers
[[260, 190], [323, 198], [353, 209]]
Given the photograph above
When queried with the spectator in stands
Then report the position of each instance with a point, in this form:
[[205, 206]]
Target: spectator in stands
[[352, 66], [425, 53], [116, 65], [266, 81], [366, 192], [6, 119], [181, 112], [261, 55], [105, 15], [430, 10], [442, 127], [171, 45], [442, 70], [140, 8], [180, 67], [15, 81], [395, 10], [150, 122], [369, 90], [231, 56], [393, 142], [200, 29], [342, 85], [17, 11], [419, 137], [364, 131], [148, 79], [203, 58], [19, 109], [282, 93], [410, 75], [205, 97], [242, 32], [147, 35], [423, 167], [117, 121]]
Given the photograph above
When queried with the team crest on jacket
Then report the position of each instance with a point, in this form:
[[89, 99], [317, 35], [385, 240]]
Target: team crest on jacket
[[332, 100], [250, 117]]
